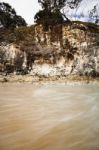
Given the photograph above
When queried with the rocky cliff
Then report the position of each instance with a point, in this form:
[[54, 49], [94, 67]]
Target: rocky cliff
[[67, 49]]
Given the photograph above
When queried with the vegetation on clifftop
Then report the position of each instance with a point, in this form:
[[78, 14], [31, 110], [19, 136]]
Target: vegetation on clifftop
[[51, 13], [9, 18]]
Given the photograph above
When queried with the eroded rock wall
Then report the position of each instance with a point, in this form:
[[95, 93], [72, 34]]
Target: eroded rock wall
[[76, 48], [63, 50], [11, 58]]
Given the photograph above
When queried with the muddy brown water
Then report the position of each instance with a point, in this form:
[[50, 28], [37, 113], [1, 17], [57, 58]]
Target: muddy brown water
[[49, 117]]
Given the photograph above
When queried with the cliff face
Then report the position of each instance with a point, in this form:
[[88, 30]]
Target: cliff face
[[63, 50], [75, 49]]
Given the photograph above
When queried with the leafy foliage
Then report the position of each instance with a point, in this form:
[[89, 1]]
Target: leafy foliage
[[51, 11], [48, 18], [9, 18]]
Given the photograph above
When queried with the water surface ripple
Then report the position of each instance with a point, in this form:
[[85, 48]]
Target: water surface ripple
[[49, 117]]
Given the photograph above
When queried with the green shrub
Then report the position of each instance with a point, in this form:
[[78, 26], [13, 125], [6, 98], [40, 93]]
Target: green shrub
[[97, 43]]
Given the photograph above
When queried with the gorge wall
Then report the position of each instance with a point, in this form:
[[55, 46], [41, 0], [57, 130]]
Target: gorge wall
[[67, 49]]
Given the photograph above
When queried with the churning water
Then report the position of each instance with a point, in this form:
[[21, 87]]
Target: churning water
[[49, 117]]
